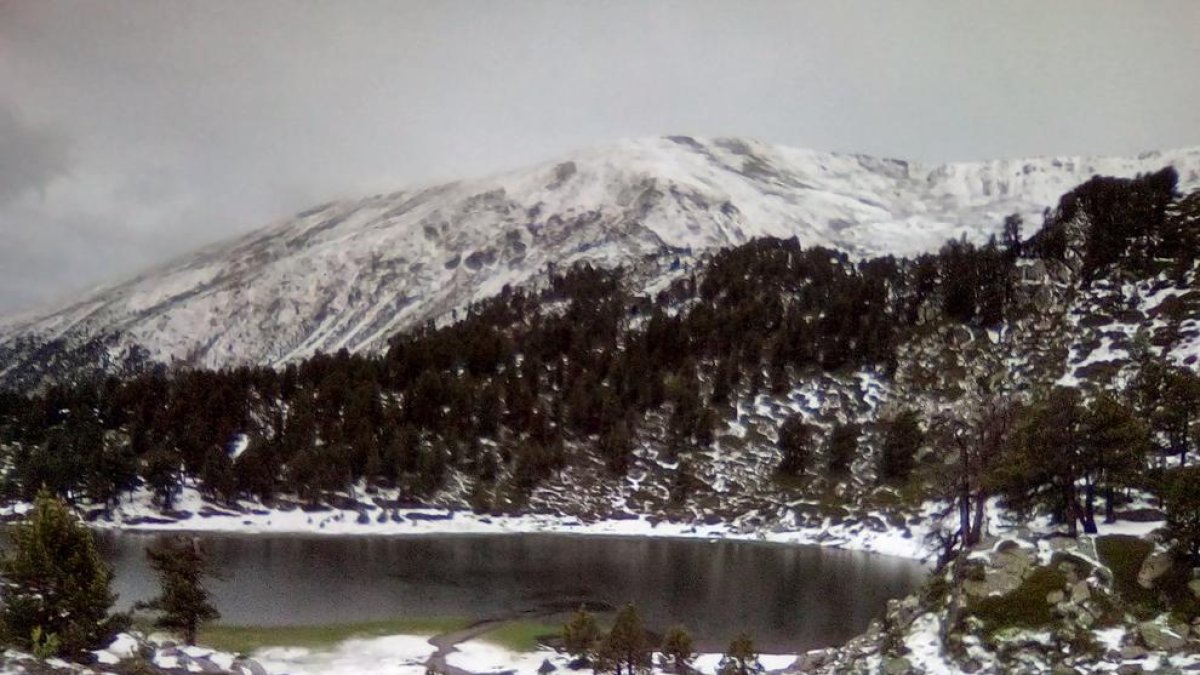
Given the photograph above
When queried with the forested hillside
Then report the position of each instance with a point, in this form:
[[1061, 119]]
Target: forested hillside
[[764, 374]]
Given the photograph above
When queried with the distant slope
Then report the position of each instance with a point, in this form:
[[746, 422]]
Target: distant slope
[[349, 274]]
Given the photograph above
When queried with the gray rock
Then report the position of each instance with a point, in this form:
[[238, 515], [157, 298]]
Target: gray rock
[[248, 666], [1085, 618], [1133, 652], [1160, 638], [546, 667], [1156, 565], [204, 665], [812, 661], [1129, 669], [1004, 575], [897, 665]]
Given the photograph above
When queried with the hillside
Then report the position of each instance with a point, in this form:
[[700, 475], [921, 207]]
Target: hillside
[[719, 393], [1007, 406], [350, 274]]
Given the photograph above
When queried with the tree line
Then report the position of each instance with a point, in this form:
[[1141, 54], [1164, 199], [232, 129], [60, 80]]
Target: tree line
[[534, 379]]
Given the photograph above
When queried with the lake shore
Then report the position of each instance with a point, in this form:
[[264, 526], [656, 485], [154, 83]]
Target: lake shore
[[872, 533]]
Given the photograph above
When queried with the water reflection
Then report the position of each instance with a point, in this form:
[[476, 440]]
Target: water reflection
[[787, 597]]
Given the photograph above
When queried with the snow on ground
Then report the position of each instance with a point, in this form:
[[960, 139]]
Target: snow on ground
[[481, 656], [123, 647], [390, 655], [139, 515], [710, 663], [925, 647]]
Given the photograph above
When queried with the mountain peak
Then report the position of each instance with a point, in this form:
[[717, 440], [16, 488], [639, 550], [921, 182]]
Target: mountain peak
[[349, 274]]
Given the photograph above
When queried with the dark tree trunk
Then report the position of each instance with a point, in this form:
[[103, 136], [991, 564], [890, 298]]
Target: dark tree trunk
[[1089, 510], [1070, 508], [1110, 505], [977, 526], [964, 518], [964, 497]]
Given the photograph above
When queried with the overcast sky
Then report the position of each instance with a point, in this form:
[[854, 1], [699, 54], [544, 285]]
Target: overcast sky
[[133, 131]]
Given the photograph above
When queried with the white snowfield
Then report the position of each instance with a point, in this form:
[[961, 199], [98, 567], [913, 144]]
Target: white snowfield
[[349, 274]]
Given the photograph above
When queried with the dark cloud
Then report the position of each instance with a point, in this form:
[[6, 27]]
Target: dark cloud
[[192, 122]]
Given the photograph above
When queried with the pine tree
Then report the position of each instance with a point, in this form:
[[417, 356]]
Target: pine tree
[[1116, 442], [1047, 459], [841, 449], [679, 649], [972, 443], [1182, 501], [1180, 399], [581, 635], [184, 602], [625, 649], [160, 468], [795, 444], [56, 583], [900, 444], [741, 658]]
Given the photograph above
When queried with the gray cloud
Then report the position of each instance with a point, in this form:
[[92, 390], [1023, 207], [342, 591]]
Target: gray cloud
[[192, 122], [29, 158]]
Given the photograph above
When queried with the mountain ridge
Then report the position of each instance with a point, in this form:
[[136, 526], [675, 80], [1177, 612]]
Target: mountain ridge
[[350, 273]]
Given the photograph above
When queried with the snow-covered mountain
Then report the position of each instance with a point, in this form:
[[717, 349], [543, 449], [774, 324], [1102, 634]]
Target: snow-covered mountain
[[349, 274]]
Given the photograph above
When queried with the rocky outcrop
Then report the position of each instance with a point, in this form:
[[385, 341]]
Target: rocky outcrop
[[1026, 605]]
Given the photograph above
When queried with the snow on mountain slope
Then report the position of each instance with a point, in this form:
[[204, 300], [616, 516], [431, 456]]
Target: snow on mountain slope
[[349, 274]]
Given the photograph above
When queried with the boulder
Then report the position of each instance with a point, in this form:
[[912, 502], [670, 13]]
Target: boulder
[[1080, 592], [1006, 570], [972, 666], [897, 665], [1158, 637], [1156, 565], [247, 666], [1133, 652], [811, 662]]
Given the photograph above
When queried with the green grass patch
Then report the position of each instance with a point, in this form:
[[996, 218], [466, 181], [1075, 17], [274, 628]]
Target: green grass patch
[[522, 635], [246, 639], [1026, 606]]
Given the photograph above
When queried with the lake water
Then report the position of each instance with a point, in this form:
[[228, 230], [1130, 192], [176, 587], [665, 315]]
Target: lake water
[[788, 598]]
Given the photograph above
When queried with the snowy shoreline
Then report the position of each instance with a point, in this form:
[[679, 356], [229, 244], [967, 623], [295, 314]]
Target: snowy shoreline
[[138, 516]]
